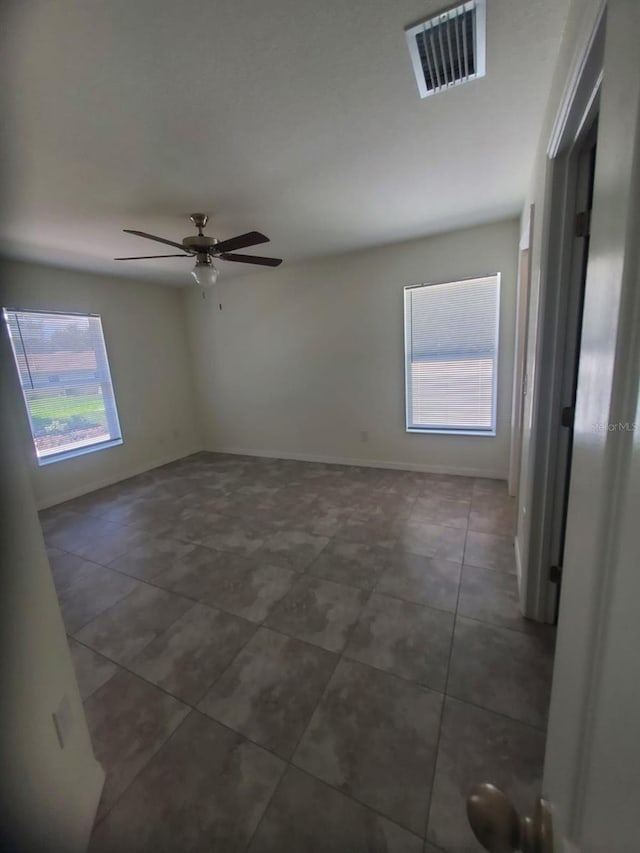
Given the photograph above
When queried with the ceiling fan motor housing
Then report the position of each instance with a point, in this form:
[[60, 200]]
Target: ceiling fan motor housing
[[199, 243]]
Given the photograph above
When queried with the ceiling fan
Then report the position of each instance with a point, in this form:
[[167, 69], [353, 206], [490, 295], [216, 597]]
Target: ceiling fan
[[205, 249]]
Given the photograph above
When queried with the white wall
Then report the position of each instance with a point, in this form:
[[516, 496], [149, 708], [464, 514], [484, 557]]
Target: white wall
[[145, 335], [301, 360], [592, 763], [48, 795]]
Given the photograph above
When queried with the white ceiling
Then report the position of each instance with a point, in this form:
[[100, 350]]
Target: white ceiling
[[297, 118]]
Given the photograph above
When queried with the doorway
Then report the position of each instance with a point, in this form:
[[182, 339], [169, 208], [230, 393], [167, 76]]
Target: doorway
[[585, 160], [564, 245]]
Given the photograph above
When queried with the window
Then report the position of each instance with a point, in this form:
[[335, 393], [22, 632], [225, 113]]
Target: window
[[64, 373], [451, 347]]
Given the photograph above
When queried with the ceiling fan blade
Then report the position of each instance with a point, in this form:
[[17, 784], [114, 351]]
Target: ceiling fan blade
[[146, 257], [253, 259], [157, 239], [242, 241]]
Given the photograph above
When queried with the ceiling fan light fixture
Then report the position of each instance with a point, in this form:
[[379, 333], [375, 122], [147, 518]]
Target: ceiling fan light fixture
[[204, 271]]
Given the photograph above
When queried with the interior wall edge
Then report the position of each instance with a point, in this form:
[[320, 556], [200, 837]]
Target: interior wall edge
[[518, 559], [87, 488]]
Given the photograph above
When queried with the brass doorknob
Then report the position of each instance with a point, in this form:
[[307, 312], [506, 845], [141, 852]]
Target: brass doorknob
[[500, 829]]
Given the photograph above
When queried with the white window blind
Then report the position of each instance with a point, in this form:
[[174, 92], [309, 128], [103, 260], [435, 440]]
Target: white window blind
[[66, 382], [451, 344]]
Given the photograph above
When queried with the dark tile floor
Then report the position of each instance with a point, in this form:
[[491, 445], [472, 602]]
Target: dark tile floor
[[285, 657]]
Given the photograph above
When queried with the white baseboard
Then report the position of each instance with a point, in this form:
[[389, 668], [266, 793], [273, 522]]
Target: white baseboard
[[92, 486], [364, 463], [271, 454]]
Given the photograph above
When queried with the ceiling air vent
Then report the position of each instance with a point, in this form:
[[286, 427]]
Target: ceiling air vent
[[449, 49]]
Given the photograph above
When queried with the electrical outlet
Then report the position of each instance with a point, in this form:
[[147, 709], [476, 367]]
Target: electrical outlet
[[63, 720]]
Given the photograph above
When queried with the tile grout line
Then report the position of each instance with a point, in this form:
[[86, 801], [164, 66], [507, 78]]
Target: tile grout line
[[340, 655], [289, 760], [141, 770], [444, 699], [341, 658], [258, 626], [221, 552], [276, 788], [262, 624], [369, 593], [128, 595], [501, 627]]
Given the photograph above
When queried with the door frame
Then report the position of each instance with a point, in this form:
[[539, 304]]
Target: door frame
[[520, 360], [593, 749], [582, 192], [578, 109]]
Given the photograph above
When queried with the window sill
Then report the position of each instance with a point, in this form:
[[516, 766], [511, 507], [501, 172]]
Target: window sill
[[77, 451], [486, 433]]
